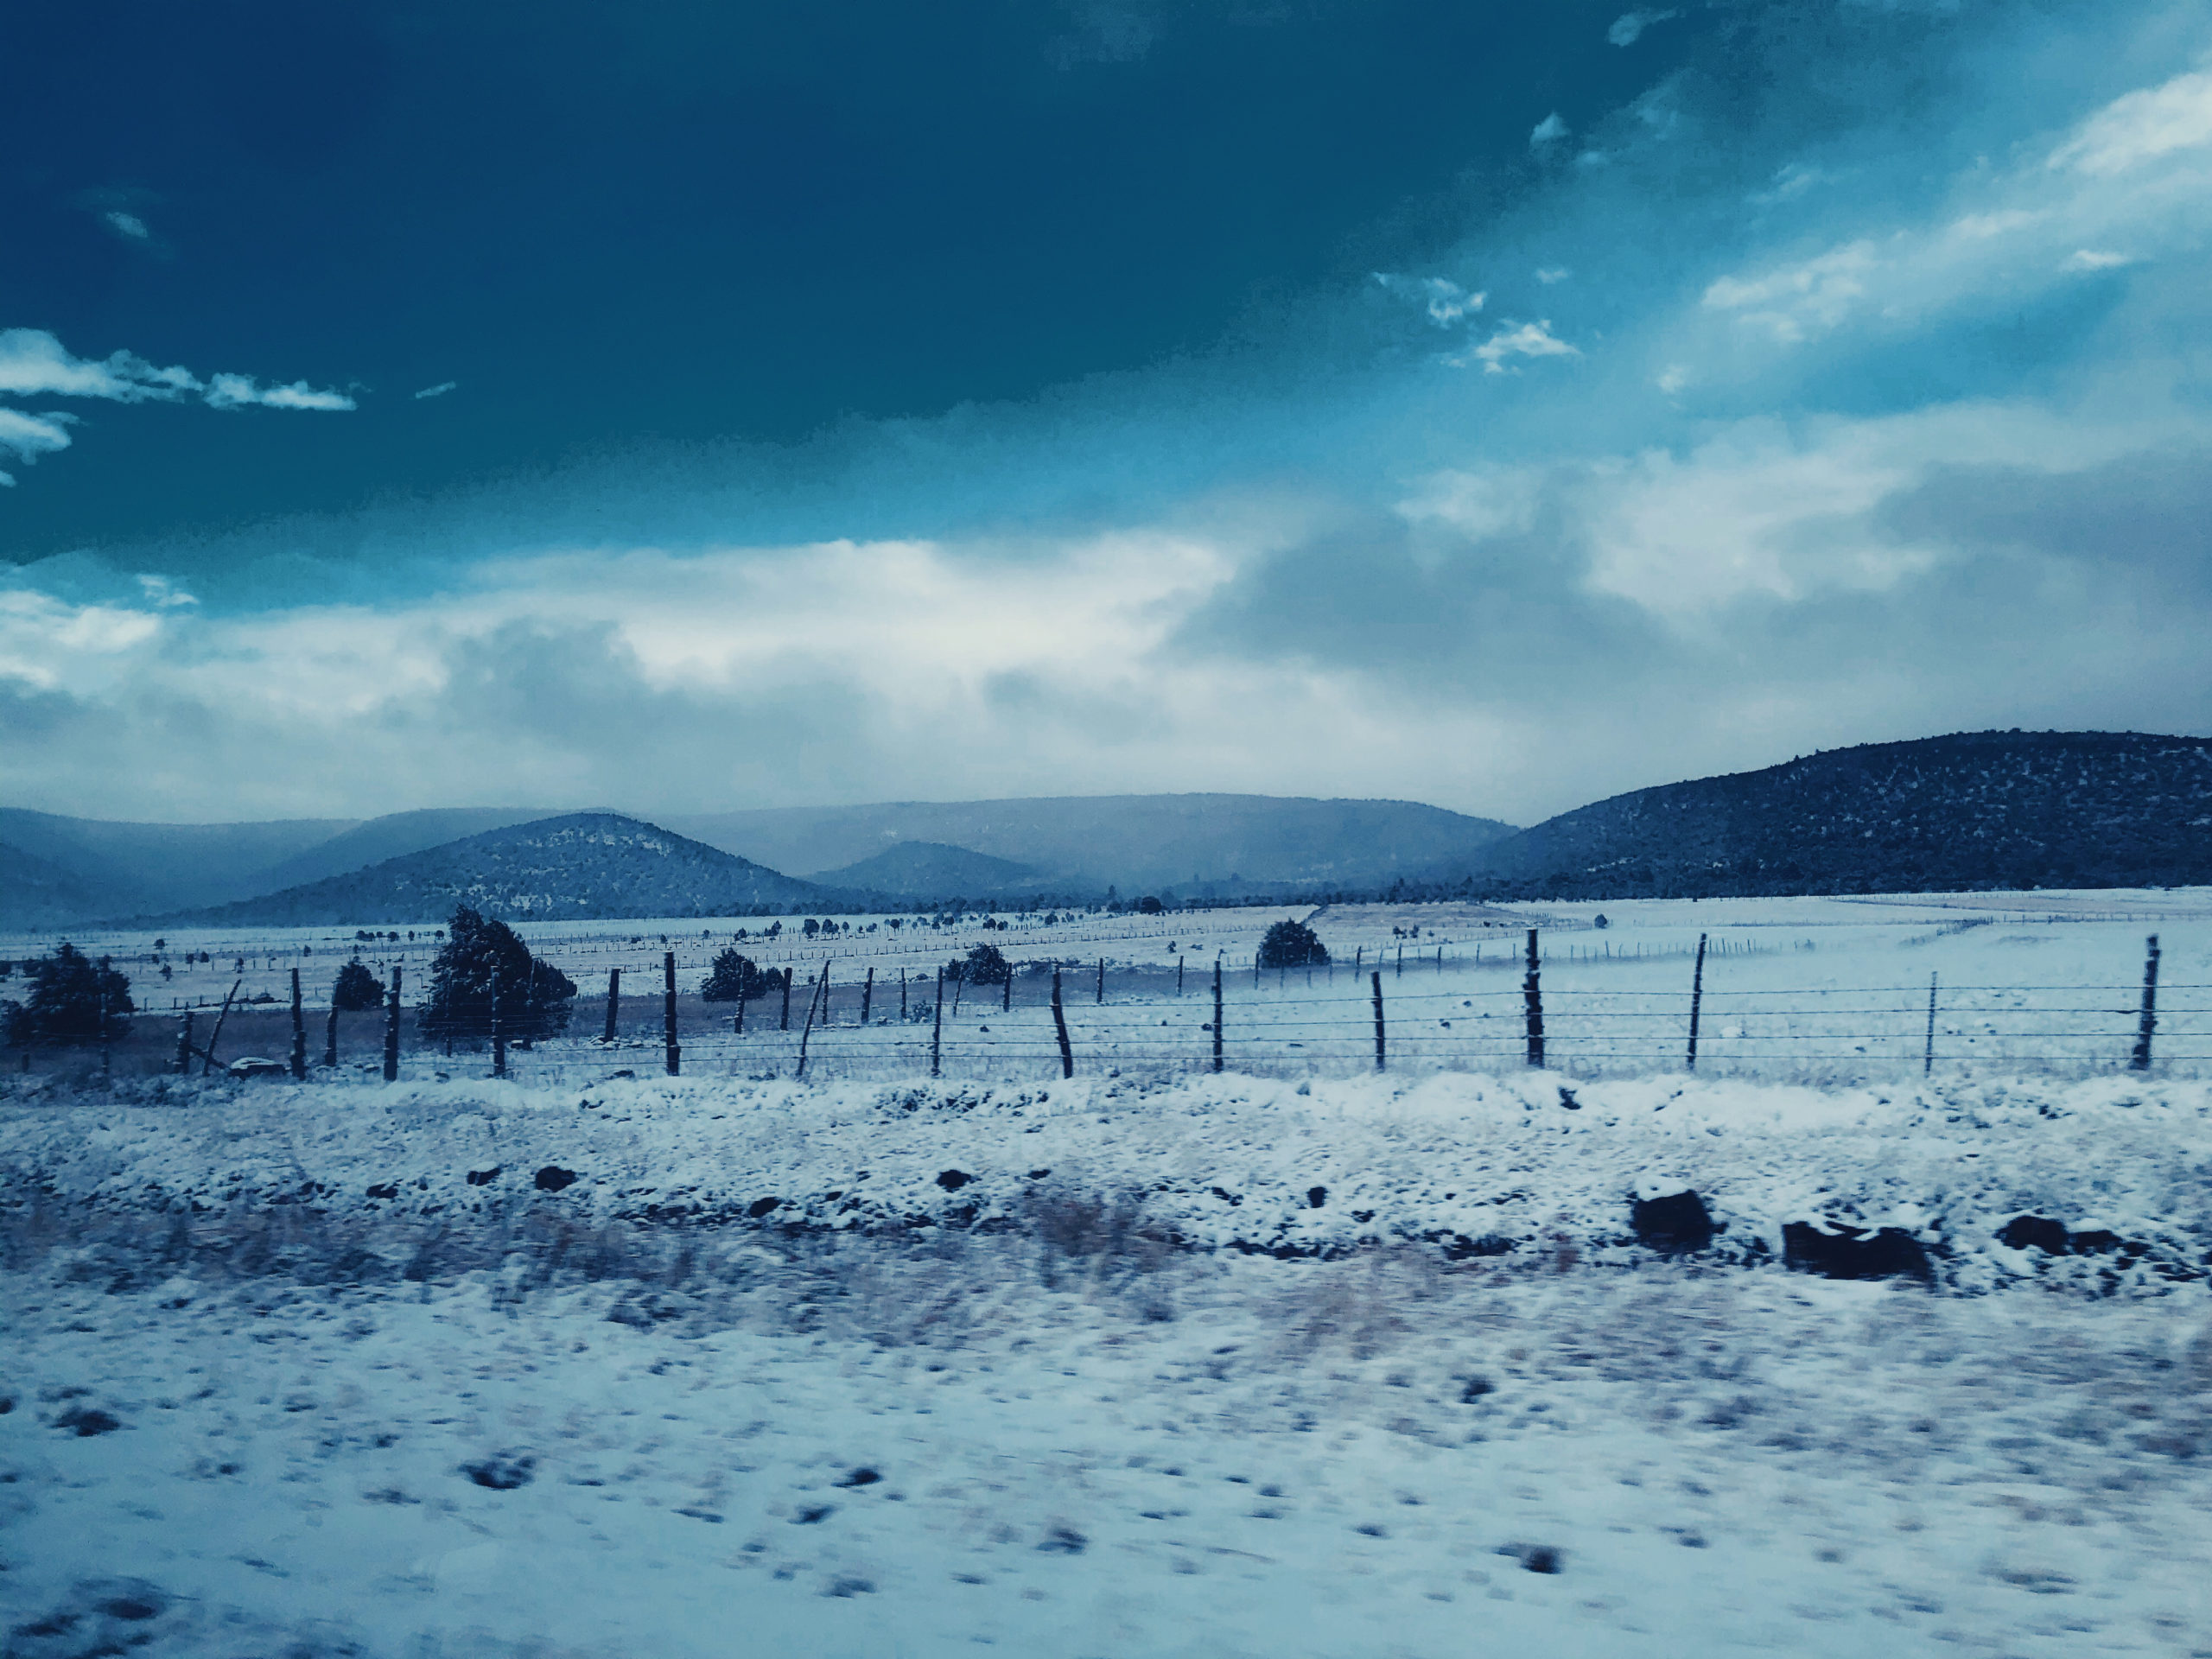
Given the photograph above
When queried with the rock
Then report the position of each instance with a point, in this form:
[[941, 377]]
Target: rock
[[385, 1189], [1475, 1388], [1675, 1221], [554, 1179], [1065, 1540], [953, 1180], [484, 1176], [760, 1208], [1317, 1196], [503, 1470], [2034, 1233], [1854, 1253], [86, 1421], [862, 1476]]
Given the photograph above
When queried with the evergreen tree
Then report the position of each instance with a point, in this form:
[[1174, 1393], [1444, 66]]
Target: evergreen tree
[[478, 953], [1292, 944], [72, 1000], [735, 979], [984, 964], [356, 989]]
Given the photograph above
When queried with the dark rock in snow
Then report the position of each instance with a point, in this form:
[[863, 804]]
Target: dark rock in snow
[[553, 1179], [1853, 1253], [484, 1176], [1537, 1558], [761, 1207], [1317, 1196], [1065, 1540], [502, 1472], [862, 1476], [1475, 1388], [2034, 1233], [385, 1189], [953, 1180], [1676, 1221], [86, 1421]]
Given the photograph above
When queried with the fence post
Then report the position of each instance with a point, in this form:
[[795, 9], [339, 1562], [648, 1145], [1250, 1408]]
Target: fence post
[[825, 993], [1006, 991], [867, 993], [1060, 1027], [1358, 961], [183, 1043], [1532, 993], [1697, 999], [499, 1031], [1928, 1050], [614, 1001], [902, 996], [937, 1024], [1217, 1014], [299, 1033], [1402, 961], [391, 1027], [668, 1010], [330, 1035], [1179, 975], [1377, 982], [2148, 1023], [784, 1021], [1102, 979], [819, 994], [737, 1025]]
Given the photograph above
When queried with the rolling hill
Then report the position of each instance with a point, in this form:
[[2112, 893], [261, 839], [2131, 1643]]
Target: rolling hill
[[1141, 843], [1980, 809], [928, 870], [107, 868], [571, 868]]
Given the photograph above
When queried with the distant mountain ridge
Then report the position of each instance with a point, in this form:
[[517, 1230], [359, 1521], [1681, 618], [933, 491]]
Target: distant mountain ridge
[[111, 868], [928, 870], [1975, 809], [572, 867]]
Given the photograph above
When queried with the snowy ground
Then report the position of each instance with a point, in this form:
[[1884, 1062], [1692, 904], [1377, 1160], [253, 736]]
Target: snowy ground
[[1219, 1366]]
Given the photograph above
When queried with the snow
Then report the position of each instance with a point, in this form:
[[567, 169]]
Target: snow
[[1296, 1359]]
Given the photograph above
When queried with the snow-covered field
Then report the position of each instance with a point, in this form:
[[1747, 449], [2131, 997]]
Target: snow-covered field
[[1208, 1366]]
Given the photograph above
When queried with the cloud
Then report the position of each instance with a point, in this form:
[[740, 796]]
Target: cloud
[[33, 363], [1548, 131], [2144, 125], [1446, 303], [1549, 274], [438, 390], [1628, 28], [28, 436], [2096, 259], [240, 391], [127, 225], [1524, 340]]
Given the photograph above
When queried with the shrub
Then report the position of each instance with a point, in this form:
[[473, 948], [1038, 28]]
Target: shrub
[[356, 989], [984, 964], [478, 953], [735, 979], [72, 1000], [1292, 944]]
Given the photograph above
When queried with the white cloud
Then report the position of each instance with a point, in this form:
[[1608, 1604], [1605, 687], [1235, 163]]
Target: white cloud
[[1548, 131], [2154, 122], [1820, 290], [2096, 259], [33, 363], [1673, 378], [1549, 274], [1524, 340], [1792, 181], [1446, 303], [128, 224], [28, 436], [1629, 27], [438, 390]]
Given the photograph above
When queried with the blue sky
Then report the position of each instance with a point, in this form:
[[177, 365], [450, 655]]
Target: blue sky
[[692, 407]]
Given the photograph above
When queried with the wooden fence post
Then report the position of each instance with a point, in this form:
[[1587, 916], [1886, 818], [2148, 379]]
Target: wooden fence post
[[784, 1021], [820, 994], [2147, 1023], [1697, 999], [668, 1010], [183, 1044], [1102, 979], [216, 1035], [937, 1024], [902, 996], [1006, 991], [1377, 982], [1402, 961], [499, 1031], [330, 1033], [299, 1033], [614, 1001], [825, 993], [391, 1027], [1060, 1027], [1532, 994], [867, 993], [1179, 975], [1928, 1049], [1217, 1014]]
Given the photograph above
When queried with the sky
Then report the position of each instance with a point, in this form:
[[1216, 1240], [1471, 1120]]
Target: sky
[[684, 408]]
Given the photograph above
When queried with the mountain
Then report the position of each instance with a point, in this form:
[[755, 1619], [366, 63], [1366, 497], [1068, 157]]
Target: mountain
[[571, 868], [394, 835], [36, 892], [119, 869], [928, 870], [1141, 843], [1979, 810]]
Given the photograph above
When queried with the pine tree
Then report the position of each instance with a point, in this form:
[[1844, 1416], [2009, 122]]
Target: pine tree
[[356, 989], [479, 951], [72, 1000], [734, 979]]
